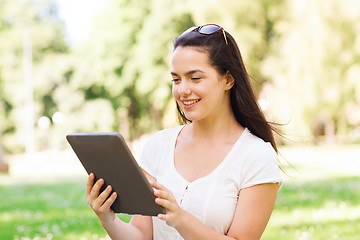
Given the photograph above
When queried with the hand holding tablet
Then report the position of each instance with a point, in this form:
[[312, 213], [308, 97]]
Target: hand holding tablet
[[108, 157]]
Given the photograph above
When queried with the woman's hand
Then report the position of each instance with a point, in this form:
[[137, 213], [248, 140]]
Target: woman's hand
[[175, 214], [100, 203]]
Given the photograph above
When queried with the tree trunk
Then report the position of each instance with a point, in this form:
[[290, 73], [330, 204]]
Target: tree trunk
[[3, 166]]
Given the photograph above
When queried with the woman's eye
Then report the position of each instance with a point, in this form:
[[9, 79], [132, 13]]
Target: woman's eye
[[195, 78], [175, 80]]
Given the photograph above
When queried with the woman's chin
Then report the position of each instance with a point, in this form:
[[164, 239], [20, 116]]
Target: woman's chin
[[192, 118]]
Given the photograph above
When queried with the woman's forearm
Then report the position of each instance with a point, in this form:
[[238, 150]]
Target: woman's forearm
[[119, 230], [192, 229]]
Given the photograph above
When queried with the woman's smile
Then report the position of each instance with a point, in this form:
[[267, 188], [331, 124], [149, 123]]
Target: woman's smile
[[188, 104]]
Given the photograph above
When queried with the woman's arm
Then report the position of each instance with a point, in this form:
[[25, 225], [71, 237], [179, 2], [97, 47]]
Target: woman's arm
[[252, 213], [140, 227]]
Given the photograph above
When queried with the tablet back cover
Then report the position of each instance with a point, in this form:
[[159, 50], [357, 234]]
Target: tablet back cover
[[108, 157]]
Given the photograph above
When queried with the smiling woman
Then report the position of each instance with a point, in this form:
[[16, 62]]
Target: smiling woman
[[217, 175]]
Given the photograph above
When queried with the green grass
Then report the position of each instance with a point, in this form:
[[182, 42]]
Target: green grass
[[47, 211], [321, 200], [323, 209]]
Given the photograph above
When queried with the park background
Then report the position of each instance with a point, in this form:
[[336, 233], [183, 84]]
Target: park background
[[304, 60]]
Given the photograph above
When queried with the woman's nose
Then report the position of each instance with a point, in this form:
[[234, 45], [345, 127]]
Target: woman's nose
[[184, 89]]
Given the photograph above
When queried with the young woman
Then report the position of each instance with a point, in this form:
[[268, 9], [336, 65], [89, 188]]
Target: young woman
[[217, 174]]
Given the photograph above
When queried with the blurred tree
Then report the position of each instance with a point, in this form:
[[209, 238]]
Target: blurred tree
[[129, 61], [303, 55], [313, 64], [40, 18]]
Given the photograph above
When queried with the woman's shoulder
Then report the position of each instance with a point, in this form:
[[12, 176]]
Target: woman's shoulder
[[256, 146], [259, 162]]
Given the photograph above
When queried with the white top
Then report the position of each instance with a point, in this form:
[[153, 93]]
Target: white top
[[212, 198]]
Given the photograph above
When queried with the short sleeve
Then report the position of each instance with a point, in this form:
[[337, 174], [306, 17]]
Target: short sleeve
[[261, 166]]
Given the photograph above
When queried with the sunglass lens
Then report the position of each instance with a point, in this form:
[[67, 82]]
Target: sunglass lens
[[189, 30], [209, 29]]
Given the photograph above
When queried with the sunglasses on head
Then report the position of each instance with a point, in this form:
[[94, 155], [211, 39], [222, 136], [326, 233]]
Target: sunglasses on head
[[207, 29]]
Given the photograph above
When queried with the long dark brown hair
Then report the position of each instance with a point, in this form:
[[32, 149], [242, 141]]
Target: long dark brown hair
[[226, 57]]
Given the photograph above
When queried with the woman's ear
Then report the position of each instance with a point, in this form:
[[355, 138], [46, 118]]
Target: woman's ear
[[230, 81]]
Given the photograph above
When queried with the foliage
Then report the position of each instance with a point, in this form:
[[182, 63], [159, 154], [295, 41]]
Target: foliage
[[46, 32], [303, 58], [133, 75], [320, 42]]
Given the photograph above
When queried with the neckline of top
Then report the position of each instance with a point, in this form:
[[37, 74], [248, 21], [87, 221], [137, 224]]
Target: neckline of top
[[215, 170]]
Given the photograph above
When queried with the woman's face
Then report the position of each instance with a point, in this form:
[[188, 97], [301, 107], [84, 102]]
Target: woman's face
[[198, 88]]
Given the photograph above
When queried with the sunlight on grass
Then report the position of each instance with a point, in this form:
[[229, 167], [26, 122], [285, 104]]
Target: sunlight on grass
[[55, 211], [324, 213], [319, 200]]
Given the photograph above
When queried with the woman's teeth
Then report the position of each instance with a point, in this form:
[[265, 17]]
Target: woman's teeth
[[191, 102]]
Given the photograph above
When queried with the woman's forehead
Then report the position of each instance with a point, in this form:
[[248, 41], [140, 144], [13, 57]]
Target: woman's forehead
[[183, 56]]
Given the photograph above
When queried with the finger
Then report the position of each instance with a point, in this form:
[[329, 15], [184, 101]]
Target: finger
[[148, 176], [110, 200], [165, 203], [157, 185], [102, 197], [162, 216], [167, 195], [162, 194], [95, 191], [90, 184]]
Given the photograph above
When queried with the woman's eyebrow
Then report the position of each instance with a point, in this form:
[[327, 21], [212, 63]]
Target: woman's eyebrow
[[188, 72]]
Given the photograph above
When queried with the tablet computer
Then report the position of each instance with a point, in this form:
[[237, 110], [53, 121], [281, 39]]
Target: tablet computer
[[108, 157]]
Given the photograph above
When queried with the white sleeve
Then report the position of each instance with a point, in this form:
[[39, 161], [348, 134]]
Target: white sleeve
[[261, 166]]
